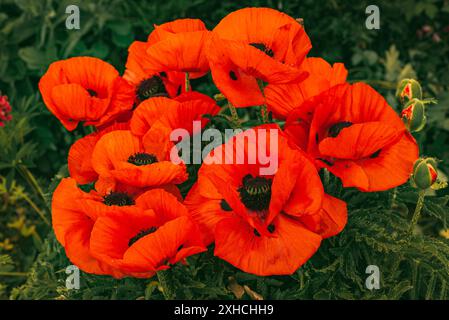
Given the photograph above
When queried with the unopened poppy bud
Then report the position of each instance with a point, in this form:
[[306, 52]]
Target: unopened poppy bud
[[409, 89], [425, 173], [414, 115]]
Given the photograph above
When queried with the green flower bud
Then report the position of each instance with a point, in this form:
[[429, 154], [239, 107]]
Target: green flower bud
[[408, 89], [424, 173], [414, 115]]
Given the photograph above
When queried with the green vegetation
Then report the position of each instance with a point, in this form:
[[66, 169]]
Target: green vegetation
[[413, 42]]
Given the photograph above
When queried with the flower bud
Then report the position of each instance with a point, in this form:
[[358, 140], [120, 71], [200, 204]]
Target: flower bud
[[408, 89], [424, 173], [414, 115]]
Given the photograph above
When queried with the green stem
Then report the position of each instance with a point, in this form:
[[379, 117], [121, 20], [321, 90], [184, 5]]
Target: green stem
[[393, 197], [166, 291], [234, 116], [264, 113], [417, 213], [38, 240], [326, 177], [26, 173], [13, 274], [36, 208], [187, 82], [263, 108]]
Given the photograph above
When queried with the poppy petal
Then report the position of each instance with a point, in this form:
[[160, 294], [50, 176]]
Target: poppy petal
[[182, 52], [331, 219], [283, 98], [391, 167], [359, 140], [164, 30], [73, 229], [161, 247], [80, 159], [205, 212], [290, 247]]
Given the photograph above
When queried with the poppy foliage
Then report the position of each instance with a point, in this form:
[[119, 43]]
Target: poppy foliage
[[121, 211]]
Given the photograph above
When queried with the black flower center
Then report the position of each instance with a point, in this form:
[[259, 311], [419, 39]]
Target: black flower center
[[152, 87], [263, 48], [336, 128], [255, 193], [118, 199], [141, 234], [141, 159], [92, 93]]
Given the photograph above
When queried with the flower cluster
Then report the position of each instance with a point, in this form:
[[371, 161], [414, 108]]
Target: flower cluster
[[121, 213], [5, 110]]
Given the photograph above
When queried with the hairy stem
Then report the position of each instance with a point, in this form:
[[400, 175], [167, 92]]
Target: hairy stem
[[264, 113], [326, 177], [234, 116], [417, 213], [187, 82], [393, 197], [263, 108]]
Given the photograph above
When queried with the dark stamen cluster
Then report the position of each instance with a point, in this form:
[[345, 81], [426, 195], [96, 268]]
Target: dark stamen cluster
[[118, 199], [141, 159], [336, 128], [141, 234], [255, 193], [152, 87]]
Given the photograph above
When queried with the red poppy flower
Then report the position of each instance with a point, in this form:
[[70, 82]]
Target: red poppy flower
[[150, 83], [253, 45], [148, 241], [73, 227], [256, 219], [357, 136], [121, 157], [157, 67], [178, 113], [85, 89], [75, 213], [283, 98], [80, 154]]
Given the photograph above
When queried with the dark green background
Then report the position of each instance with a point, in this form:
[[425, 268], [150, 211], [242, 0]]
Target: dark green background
[[33, 34]]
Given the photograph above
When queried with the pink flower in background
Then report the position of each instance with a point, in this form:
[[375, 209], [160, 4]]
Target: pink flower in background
[[5, 110]]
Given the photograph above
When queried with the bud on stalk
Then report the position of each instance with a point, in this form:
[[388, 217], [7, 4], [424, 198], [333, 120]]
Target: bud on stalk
[[414, 115], [408, 89], [424, 173]]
